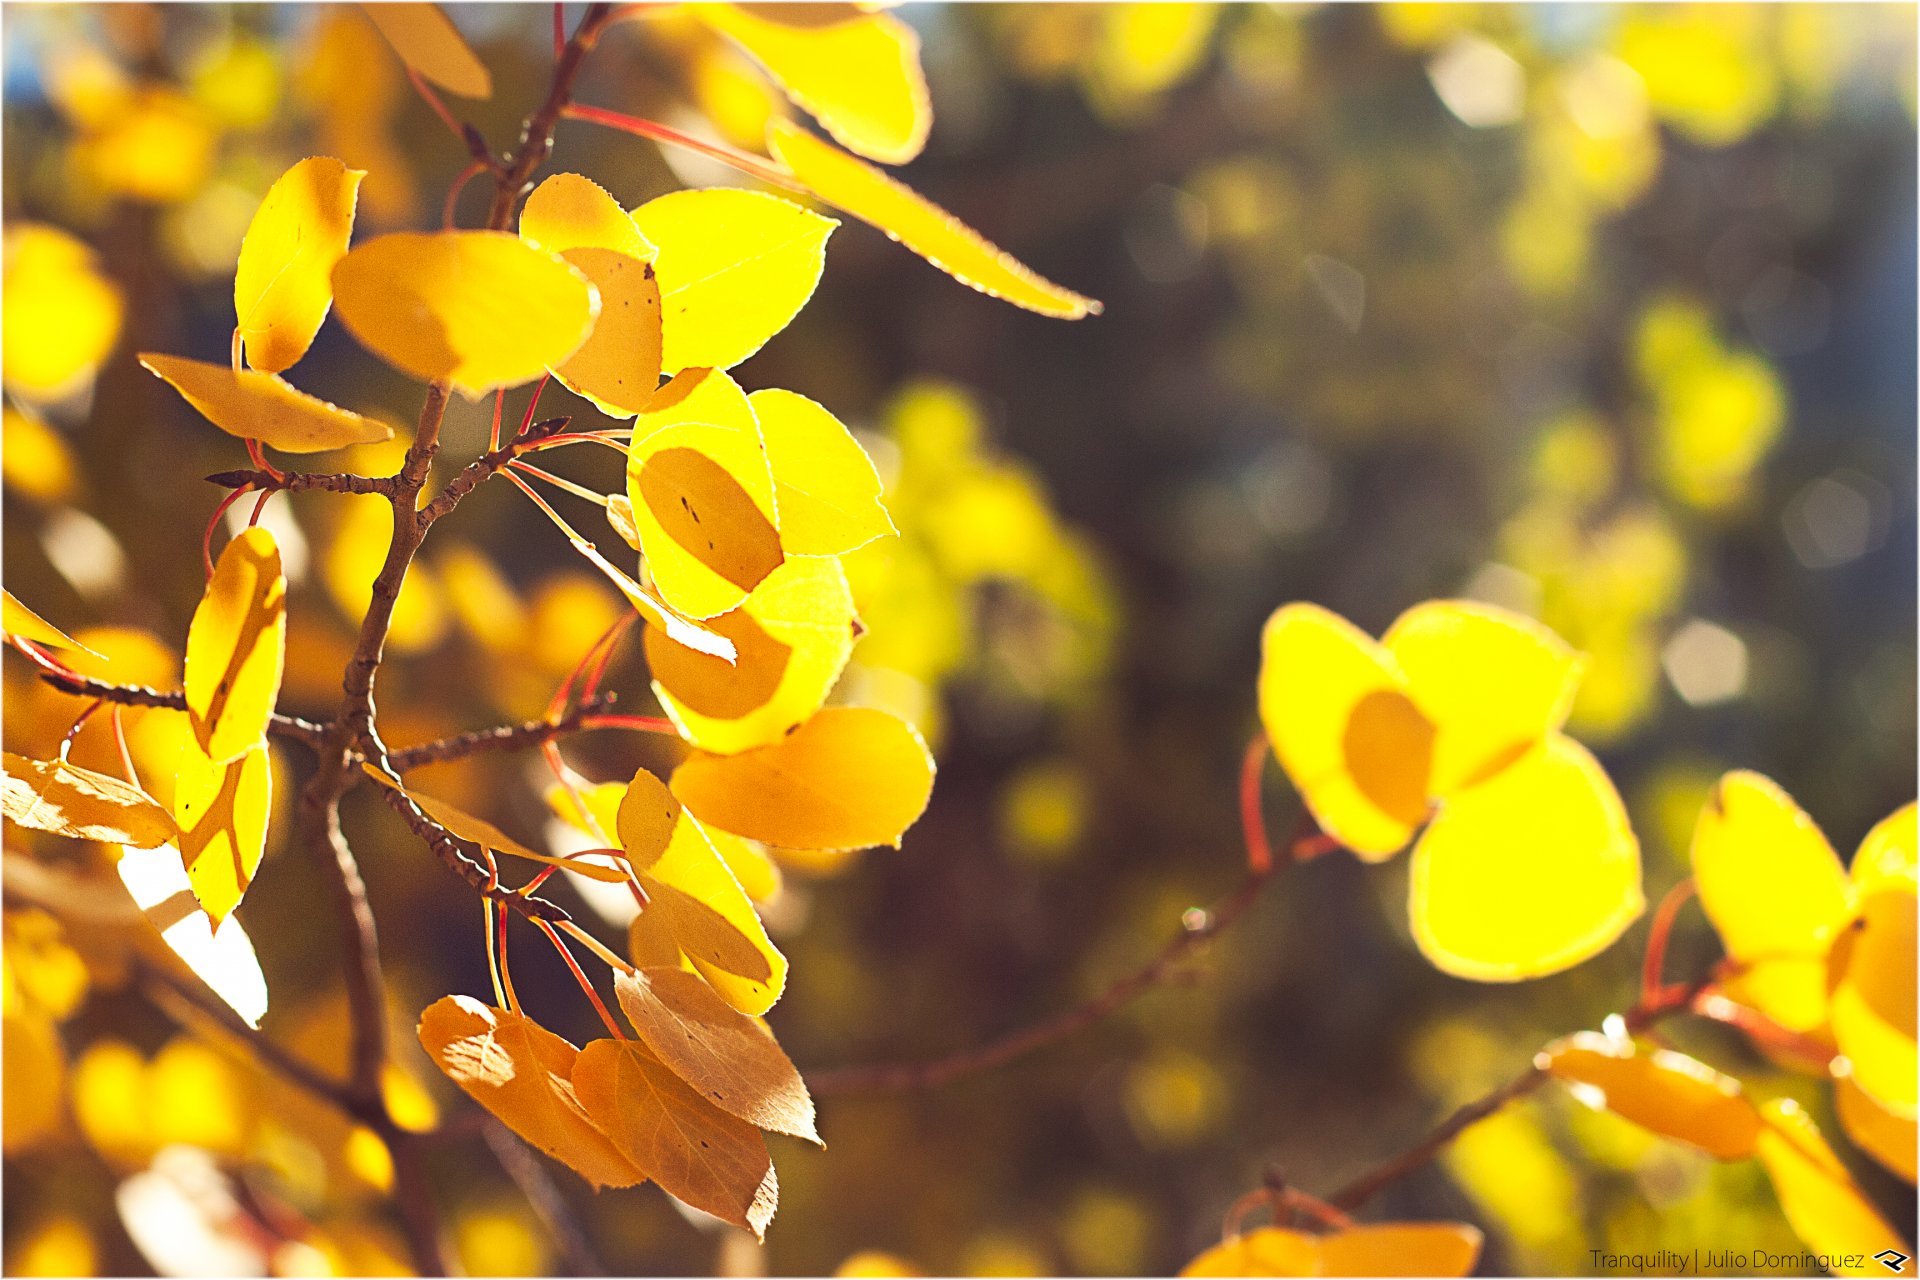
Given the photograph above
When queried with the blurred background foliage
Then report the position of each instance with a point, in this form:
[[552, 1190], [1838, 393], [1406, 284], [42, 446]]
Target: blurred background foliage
[[1605, 313]]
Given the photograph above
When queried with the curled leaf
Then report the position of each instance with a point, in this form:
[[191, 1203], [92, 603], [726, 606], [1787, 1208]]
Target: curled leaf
[[262, 406], [52, 795]]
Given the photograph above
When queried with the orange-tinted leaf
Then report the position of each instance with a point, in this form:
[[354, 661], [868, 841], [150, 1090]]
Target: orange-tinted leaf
[[52, 795], [427, 41], [283, 284], [1817, 1194], [1875, 1130], [646, 819], [848, 778], [1402, 1249], [859, 75], [618, 367], [860, 189], [237, 647], [222, 809], [696, 1152], [1269, 1251], [264, 407], [488, 836], [568, 211], [1673, 1095], [725, 1055], [18, 620], [1872, 1005], [480, 309], [523, 1074]]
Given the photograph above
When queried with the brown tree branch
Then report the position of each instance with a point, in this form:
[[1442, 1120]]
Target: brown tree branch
[[303, 481], [505, 737], [139, 695]]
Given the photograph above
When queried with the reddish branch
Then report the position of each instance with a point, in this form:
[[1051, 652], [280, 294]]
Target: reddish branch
[[506, 737]]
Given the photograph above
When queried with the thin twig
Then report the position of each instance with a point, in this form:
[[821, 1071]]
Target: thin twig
[[1370, 1184], [506, 737], [577, 1257], [139, 695], [302, 481]]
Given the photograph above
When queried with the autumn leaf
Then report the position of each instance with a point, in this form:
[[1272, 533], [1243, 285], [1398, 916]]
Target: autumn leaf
[[568, 211], [18, 620], [236, 647], [283, 284], [523, 1074], [1892, 1140], [222, 809], [696, 1152], [645, 819], [426, 40], [694, 899], [1385, 1249], [52, 795], [262, 406], [824, 485], [1663, 1091], [487, 836], [220, 955], [1820, 1199]]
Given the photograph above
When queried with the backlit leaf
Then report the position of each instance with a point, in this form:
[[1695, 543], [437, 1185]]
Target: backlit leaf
[[222, 809], [695, 900], [650, 607], [1336, 708], [426, 40], [1527, 873], [791, 637], [488, 836], [702, 495], [734, 267], [727, 1057], [1874, 996], [283, 285], [618, 367], [1491, 682], [264, 407], [480, 309], [1401, 1249], [223, 957], [237, 647], [568, 211], [696, 1152], [646, 819], [857, 73], [824, 485], [1886, 1137], [1673, 1095], [868, 194], [1889, 852], [1268, 1251], [18, 620], [848, 778], [523, 1074], [52, 795], [1774, 890], [1818, 1196]]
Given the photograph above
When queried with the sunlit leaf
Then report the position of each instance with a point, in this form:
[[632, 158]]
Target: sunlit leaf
[[618, 367], [1268, 1251], [725, 1055], [264, 407], [620, 519], [1818, 1196], [1492, 683], [848, 778], [824, 485], [52, 795], [568, 211], [283, 285], [646, 819], [857, 73], [1673, 1095], [1874, 996], [488, 836], [18, 620], [1401, 1249], [523, 1074], [791, 638], [237, 647], [694, 899], [696, 1152], [1890, 1139], [223, 957], [1527, 873], [1774, 890], [702, 495], [222, 809], [426, 40], [750, 863], [650, 607], [1336, 708], [868, 194], [734, 267], [480, 309], [1889, 852]]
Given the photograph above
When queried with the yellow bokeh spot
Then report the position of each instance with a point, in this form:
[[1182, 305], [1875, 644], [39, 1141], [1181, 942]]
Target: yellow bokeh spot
[[61, 314]]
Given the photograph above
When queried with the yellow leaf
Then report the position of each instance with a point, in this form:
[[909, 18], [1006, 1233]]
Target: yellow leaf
[[646, 819], [618, 368], [264, 407], [61, 315], [222, 810], [52, 795], [702, 495], [791, 639], [694, 899], [1401, 1249], [726, 1056], [1673, 1095], [1528, 873], [1875, 1130], [426, 40], [1874, 996], [568, 211], [922, 226], [1491, 682], [523, 1074], [223, 957], [1336, 708], [734, 267], [696, 1152], [650, 607], [857, 73], [237, 647], [825, 489], [751, 865], [1269, 1251], [620, 519], [1888, 853], [488, 836], [1819, 1198], [18, 620], [1774, 890], [480, 309], [848, 778], [283, 285]]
